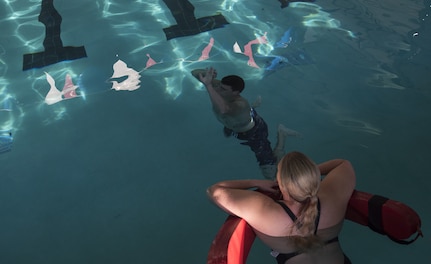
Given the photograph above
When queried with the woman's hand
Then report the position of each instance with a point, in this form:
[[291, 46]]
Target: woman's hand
[[268, 186]]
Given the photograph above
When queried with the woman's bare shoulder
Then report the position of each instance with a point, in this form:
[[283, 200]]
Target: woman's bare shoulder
[[332, 210]]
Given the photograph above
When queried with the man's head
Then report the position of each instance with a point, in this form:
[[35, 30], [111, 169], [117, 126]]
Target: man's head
[[234, 81]]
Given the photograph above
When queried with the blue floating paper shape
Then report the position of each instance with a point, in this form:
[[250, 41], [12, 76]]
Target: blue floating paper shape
[[6, 140]]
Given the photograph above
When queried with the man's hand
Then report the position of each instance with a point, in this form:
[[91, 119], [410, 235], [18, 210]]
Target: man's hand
[[209, 76]]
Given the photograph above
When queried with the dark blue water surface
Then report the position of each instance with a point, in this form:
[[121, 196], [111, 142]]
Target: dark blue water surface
[[120, 176]]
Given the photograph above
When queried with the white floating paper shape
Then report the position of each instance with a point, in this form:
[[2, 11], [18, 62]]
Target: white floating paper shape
[[54, 95], [248, 49], [121, 70]]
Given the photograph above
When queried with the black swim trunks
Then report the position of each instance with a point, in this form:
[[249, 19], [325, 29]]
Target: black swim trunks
[[257, 139]]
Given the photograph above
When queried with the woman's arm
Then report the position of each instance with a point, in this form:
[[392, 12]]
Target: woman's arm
[[340, 180], [236, 197], [329, 165]]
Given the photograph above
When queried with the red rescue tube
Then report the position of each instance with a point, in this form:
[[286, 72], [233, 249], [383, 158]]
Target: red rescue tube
[[385, 216], [232, 243], [392, 218]]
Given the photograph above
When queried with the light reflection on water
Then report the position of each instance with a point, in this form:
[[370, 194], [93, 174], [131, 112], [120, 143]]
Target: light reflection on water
[[138, 42], [341, 36]]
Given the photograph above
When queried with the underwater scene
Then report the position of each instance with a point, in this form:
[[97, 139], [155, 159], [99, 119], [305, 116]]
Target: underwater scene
[[108, 142]]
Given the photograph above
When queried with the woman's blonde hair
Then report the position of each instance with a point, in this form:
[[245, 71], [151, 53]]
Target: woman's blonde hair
[[299, 176]]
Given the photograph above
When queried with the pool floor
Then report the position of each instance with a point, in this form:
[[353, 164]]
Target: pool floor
[[114, 169]]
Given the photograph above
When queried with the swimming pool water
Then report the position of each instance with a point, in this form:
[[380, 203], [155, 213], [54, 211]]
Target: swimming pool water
[[120, 176]]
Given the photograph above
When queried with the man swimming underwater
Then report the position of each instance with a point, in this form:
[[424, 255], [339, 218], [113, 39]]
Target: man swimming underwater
[[241, 120]]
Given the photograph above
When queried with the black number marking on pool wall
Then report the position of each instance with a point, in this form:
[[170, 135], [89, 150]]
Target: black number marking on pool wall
[[187, 24], [285, 3], [54, 50]]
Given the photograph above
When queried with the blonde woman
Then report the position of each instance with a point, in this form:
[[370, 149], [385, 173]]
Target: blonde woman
[[303, 227]]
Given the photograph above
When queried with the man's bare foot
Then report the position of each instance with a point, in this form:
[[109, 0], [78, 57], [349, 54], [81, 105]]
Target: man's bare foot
[[257, 102], [284, 131]]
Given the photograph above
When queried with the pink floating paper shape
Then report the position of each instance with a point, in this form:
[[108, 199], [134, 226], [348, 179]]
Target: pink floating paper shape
[[121, 70], [150, 62], [54, 95], [248, 51], [206, 51], [69, 89]]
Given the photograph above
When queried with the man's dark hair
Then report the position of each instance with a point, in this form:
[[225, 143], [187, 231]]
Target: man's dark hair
[[234, 81]]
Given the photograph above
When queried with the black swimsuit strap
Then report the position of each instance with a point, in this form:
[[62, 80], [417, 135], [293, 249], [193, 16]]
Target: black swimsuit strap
[[288, 211], [316, 222], [283, 257], [293, 216]]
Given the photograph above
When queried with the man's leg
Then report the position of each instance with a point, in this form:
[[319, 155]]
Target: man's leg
[[282, 133], [269, 171]]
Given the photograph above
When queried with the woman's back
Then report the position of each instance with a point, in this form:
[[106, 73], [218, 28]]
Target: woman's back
[[308, 230], [284, 248], [331, 207]]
